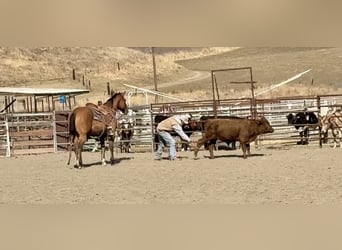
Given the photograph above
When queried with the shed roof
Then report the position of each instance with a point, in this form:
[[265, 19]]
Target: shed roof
[[40, 91]]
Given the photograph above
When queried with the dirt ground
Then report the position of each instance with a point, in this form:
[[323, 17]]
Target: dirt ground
[[296, 175]]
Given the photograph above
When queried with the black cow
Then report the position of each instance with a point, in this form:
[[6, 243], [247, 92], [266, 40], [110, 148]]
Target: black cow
[[302, 122], [187, 128]]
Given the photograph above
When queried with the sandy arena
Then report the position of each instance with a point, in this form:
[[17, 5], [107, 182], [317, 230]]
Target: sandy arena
[[297, 175]]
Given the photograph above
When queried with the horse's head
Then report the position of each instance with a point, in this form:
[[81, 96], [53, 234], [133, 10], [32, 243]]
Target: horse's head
[[118, 102]]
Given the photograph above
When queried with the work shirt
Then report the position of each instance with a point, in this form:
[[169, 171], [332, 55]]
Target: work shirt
[[173, 124]]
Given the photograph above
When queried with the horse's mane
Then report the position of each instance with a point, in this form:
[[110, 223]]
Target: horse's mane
[[110, 100]]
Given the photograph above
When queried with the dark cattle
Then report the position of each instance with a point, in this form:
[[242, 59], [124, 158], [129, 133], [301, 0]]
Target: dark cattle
[[242, 130], [231, 144], [302, 122], [125, 133], [187, 128]]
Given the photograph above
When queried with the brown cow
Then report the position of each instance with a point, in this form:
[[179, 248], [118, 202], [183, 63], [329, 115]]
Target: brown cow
[[243, 130]]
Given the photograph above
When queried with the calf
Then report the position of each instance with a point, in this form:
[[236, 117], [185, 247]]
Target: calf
[[125, 133], [242, 130], [201, 127], [302, 122], [333, 121]]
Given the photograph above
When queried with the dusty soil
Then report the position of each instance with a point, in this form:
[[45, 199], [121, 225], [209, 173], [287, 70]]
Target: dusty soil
[[299, 175]]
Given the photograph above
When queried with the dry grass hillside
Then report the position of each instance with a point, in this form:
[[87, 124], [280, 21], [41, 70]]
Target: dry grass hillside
[[181, 72]]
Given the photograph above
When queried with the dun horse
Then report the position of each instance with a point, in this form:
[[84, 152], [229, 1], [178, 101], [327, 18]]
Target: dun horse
[[83, 124]]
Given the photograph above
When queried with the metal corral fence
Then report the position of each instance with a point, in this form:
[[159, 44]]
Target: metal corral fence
[[46, 132], [275, 111], [140, 117], [34, 133], [28, 133]]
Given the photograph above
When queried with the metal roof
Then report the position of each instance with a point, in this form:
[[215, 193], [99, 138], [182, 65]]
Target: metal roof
[[40, 91]]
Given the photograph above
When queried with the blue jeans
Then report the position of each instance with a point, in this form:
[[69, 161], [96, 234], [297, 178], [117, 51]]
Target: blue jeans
[[165, 138]]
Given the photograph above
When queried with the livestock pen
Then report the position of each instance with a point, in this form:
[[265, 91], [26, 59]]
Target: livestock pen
[[42, 132], [275, 110], [28, 123]]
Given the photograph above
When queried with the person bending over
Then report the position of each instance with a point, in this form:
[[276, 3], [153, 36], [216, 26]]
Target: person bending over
[[173, 123]]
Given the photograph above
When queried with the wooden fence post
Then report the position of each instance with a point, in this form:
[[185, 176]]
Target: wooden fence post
[[108, 88]]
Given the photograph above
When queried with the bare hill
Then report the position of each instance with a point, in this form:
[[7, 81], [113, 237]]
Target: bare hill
[[179, 70], [273, 65]]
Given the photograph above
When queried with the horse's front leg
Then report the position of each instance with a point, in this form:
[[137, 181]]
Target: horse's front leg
[[111, 148], [103, 152]]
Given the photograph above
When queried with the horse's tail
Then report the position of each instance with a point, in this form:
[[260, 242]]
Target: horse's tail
[[72, 133]]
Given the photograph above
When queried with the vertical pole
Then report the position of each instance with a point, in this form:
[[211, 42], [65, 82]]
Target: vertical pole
[[6, 103], [69, 102], [48, 103], [152, 130], [154, 74], [319, 127], [108, 88], [11, 107], [53, 104], [27, 107], [254, 111], [213, 89], [8, 141], [217, 91], [31, 107], [54, 129], [35, 104]]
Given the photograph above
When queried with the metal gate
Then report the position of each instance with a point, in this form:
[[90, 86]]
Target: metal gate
[[62, 132], [31, 133]]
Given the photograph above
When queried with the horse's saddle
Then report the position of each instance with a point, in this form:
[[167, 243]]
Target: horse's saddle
[[102, 113]]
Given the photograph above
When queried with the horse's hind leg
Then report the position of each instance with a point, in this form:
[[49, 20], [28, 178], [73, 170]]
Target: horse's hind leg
[[103, 152], [78, 150], [77, 153], [111, 148]]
